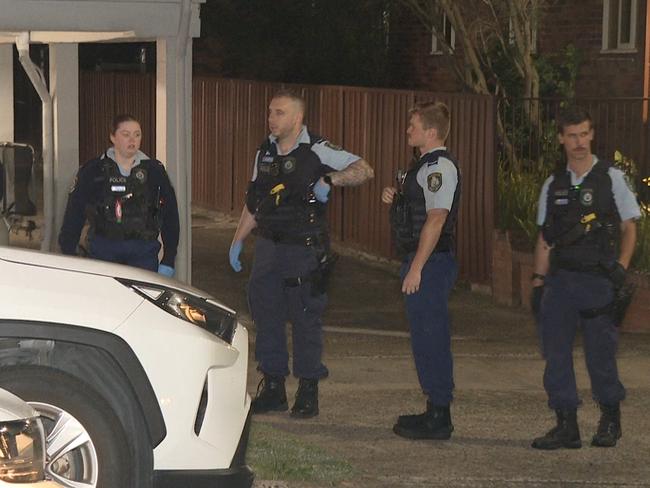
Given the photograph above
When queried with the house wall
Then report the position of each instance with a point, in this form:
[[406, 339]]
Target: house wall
[[411, 64], [563, 22], [601, 74]]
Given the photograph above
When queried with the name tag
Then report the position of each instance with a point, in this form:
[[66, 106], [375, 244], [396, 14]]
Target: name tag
[[268, 159], [118, 188], [561, 201]]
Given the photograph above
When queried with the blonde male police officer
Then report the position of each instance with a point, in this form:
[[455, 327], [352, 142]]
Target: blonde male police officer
[[423, 218], [286, 202]]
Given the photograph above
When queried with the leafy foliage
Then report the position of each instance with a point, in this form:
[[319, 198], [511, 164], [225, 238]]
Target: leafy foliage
[[641, 258]]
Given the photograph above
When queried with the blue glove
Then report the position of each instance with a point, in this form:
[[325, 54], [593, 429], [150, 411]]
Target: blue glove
[[233, 255], [165, 270], [321, 191]]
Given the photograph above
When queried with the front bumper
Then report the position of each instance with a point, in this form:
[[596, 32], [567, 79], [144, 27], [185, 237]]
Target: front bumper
[[238, 475]]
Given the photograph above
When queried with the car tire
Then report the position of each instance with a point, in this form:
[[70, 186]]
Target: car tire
[[103, 457]]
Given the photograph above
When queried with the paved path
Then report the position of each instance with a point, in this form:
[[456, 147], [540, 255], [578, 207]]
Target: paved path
[[499, 402]]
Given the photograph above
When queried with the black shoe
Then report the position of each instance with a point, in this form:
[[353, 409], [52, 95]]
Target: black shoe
[[609, 426], [435, 423], [564, 434], [271, 395], [306, 404], [413, 420]]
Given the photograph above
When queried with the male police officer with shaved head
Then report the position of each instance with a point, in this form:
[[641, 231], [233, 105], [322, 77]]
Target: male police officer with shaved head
[[587, 217], [293, 173]]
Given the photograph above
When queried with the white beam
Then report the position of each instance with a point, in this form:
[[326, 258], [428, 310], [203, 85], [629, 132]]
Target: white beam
[[173, 136], [148, 19], [64, 87], [7, 93]]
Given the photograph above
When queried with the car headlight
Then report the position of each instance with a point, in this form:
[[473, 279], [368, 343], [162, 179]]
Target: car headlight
[[198, 311], [22, 452]]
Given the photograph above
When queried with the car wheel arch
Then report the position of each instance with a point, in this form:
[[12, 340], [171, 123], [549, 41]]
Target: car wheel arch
[[79, 352]]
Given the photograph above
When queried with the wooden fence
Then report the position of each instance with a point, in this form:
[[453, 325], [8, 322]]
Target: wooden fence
[[229, 123]]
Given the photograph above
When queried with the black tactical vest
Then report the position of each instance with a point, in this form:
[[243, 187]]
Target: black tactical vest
[[582, 221], [282, 198], [129, 207], [409, 213]]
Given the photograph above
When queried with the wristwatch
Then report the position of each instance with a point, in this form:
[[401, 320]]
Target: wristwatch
[[328, 179], [537, 276]]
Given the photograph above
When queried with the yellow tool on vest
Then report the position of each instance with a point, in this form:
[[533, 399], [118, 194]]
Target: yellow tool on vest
[[586, 219], [276, 191]]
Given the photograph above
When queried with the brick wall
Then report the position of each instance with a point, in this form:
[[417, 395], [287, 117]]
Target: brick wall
[[565, 21], [412, 65], [601, 74]]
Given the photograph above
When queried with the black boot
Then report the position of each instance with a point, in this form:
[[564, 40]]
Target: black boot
[[564, 434], [412, 420], [306, 404], [609, 426], [271, 395], [435, 423]]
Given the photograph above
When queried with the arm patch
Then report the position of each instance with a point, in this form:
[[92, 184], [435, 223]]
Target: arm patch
[[434, 181]]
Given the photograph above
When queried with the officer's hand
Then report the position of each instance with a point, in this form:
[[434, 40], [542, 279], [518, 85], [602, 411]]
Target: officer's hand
[[322, 191], [388, 194], [233, 255], [536, 299], [617, 274], [165, 270], [411, 283]]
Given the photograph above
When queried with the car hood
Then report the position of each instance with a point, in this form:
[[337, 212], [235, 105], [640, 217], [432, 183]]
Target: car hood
[[94, 267]]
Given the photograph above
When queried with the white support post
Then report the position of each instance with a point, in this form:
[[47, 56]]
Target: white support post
[[7, 92], [64, 87], [7, 118], [173, 138]]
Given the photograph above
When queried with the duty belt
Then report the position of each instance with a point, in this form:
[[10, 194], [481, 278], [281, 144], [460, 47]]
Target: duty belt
[[283, 238]]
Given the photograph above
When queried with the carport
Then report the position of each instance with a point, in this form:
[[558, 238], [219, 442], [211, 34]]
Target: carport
[[63, 24]]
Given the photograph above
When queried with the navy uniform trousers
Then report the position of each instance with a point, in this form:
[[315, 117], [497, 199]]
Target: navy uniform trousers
[[565, 294], [428, 316], [273, 304], [133, 252]]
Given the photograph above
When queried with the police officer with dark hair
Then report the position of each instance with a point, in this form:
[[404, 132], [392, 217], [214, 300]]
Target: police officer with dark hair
[[285, 207], [587, 216], [423, 220], [129, 201]]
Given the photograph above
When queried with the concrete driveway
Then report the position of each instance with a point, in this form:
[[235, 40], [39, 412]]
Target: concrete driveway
[[499, 401]]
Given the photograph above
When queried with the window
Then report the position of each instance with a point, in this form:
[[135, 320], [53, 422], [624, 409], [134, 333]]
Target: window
[[619, 25], [448, 34]]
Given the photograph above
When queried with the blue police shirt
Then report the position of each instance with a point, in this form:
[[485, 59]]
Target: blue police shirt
[[332, 156], [626, 203], [442, 194]]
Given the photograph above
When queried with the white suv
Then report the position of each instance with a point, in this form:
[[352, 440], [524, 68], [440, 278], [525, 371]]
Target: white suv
[[140, 380]]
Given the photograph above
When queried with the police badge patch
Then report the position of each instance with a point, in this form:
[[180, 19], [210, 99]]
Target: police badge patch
[[288, 165], [434, 181], [140, 175], [587, 197]]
